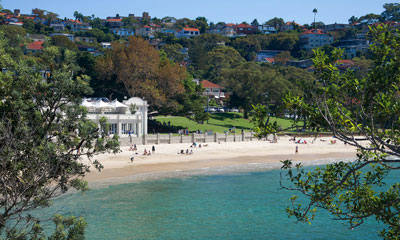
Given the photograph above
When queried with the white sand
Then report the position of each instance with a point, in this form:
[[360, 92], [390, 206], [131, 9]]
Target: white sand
[[166, 157]]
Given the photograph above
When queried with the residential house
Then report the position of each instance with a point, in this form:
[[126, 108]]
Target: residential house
[[57, 27], [122, 118], [123, 32], [106, 45], [67, 35], [336, 27], [267, 55], [34, 47], [188, 32], [86, 39], [114, 22], [266, 29], [36, 37], [76, 25], [89, 49], [244, 29], [353, 47], [145, 17], [223, 29], [146, 32], [315, 38], [212, 89], [304, 64], [289, 26], [344, 64]]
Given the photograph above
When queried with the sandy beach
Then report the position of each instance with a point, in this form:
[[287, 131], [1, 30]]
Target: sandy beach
[[215, 155]]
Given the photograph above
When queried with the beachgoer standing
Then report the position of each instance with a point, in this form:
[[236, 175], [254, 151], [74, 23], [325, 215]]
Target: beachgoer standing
[[153, 149], [297, 150], [132, 158]]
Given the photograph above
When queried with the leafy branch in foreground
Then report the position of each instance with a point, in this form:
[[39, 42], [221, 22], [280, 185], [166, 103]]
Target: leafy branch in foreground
[[46, 142], [365, 113]]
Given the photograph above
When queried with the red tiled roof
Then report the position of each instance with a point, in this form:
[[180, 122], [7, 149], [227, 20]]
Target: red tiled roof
[[244, 26], [270, 60], [314, 31], [208, 84], [114, 20], [74, 21], [3, 14], [230, 24], [295, 23], [37, 45], [345, 62], [191, 29]]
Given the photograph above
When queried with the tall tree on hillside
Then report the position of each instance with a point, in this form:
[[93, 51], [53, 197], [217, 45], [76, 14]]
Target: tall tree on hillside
[[201, 24], [276, 22], [139, 67], [315, 11], [353, 20], [255, 22], [392, 12]]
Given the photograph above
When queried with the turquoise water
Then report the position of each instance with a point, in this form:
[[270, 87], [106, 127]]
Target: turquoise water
[[230, 206]]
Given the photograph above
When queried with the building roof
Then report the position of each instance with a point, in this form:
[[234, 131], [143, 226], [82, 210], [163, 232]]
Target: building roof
[[3, 14], [114, 20], [230, 24], [270, 59], [244, 26], [208, 84], [293, 22], [37, 45], [191, 29], [314, 31]]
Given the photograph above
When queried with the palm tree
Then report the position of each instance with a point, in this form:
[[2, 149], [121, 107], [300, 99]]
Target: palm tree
[[315, 11]]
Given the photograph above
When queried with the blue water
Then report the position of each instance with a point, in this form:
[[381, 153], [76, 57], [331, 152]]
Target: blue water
[[230, 206]]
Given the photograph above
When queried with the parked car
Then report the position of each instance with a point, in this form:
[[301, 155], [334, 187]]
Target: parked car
[[234, 110], [220, 109]]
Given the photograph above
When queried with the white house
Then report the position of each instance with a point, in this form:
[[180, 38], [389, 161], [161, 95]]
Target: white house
[[129, 117], [315, 38], [188, 32]]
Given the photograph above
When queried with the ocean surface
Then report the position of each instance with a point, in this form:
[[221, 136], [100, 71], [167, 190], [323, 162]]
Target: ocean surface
[[234, 205]]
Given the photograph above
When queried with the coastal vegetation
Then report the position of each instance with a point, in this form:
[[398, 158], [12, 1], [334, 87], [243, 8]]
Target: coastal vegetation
[[362, 112], [44, 136]]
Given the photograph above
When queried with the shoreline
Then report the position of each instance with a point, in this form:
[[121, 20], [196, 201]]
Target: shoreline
[[213, 158]]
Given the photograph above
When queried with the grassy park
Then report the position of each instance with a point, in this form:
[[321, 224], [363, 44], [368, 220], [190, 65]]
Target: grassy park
[[218, 122]]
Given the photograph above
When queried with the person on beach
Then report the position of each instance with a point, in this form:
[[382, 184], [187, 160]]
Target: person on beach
[[134, 147], [297, 150], [131, 148], [132, 158], [191, 151], [187, 151], [145, 152], [153, 149]]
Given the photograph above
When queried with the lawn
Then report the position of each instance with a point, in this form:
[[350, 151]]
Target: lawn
[[219, 122]]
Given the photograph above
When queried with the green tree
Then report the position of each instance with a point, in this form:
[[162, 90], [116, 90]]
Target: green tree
[[392, 12], [44, 137], [63, 42], [173, 52], [315, 11], [201, 24], [362, 112], [276, 22], [255, 22]]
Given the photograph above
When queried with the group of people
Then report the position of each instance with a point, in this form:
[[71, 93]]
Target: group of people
[[187, 151], [145, 152]]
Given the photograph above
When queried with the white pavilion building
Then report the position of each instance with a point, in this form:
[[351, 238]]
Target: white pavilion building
[[129, 117]]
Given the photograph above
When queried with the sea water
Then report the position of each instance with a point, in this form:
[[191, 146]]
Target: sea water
[[244, 205]]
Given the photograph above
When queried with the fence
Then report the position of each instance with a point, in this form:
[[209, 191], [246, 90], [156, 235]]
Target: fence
[[193, 137]]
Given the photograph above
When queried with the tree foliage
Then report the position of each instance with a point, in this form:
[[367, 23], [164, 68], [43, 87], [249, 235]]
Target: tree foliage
[[363, 112], [44, 136]]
